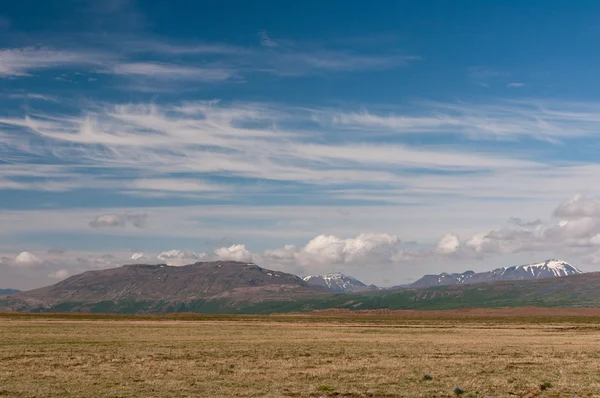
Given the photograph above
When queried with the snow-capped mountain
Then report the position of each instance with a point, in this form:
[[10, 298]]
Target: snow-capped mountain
[[338, 282], [547, 269]]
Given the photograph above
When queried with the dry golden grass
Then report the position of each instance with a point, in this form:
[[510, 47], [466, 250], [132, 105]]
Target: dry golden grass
[[296, 357]]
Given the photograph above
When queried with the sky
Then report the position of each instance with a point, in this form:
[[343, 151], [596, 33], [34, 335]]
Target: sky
[[385, 140]]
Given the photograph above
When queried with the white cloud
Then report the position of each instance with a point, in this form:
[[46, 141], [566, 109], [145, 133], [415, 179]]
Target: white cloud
[[477, 243], [538, 119], [448, 244], [575, 235], [330, 249], [23, 61], [234, 253], [26, 259], [291, 63], [578, 207], [576, 232], [120, 220], [181, 257], [175, 185], [107, 220], [516, 84], [60, 274], [286, 253], [209, 137], [170, 72], [34, 96], [138, 256]]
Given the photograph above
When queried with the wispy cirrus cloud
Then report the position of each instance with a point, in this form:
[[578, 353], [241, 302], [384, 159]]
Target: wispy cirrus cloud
[[537, 119], [215, 138], [266, 40], [218, 138], [18, 62], [172, 72], [291, 63], [152, 58], [34, 96], [157, 46]]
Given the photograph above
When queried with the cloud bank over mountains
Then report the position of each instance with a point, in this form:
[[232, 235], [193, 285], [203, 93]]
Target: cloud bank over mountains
[[573, 229]]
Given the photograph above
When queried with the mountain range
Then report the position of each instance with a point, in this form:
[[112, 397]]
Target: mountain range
[[547, 269], [163, 288], [236, 287], [8, 291]]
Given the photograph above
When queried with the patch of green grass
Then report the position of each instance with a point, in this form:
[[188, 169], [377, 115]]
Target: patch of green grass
[[545, 385]]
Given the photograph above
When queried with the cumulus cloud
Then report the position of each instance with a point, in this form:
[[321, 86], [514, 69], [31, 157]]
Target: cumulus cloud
[[234, 253], [330, 249], [138, 256], [120, 220], [288, 252], [60, 274], [477, 242], [26, 259], [578, 207], [576, 230], [181, 257], [448, 244]]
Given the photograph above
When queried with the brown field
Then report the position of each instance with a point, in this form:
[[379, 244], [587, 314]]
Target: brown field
[[488, 354]]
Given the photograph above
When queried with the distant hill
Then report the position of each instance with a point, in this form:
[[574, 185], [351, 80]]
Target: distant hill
[[339, 283], [546, 269], [159, 288], [580, 290], [8, 291], [234, 287]]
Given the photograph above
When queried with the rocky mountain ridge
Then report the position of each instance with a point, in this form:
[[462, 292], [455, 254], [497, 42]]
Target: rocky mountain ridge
[[338, 283], [239, 287], [546, 269]]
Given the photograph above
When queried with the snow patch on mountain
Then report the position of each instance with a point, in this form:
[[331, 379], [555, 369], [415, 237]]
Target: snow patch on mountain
[[546, 269], [338, 282]]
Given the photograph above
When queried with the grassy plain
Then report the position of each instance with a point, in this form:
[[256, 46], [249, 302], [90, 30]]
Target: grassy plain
[[298, 356]]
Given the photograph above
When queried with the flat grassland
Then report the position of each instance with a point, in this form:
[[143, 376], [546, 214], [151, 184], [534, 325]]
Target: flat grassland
[[299, 356]]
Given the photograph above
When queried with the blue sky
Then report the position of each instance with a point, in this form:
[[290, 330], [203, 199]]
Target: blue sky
[[385, 140]]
